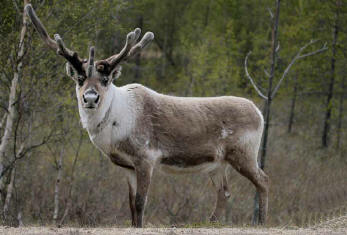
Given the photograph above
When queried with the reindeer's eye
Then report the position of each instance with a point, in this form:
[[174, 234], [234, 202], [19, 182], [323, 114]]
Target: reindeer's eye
[[80, 80], [104, 81], [100, 68]]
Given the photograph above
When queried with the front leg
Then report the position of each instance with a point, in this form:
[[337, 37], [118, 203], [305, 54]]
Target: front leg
[[143, 171], [131, 178]]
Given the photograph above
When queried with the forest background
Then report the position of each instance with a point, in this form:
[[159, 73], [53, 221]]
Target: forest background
[[50, 171]]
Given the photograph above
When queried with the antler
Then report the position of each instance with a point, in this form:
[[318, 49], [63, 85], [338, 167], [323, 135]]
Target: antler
[[106, 66], [57, 44], [90, 62], [130, 49]]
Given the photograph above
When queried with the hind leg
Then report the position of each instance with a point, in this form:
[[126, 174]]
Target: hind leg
[[219, 182], [246, 165]]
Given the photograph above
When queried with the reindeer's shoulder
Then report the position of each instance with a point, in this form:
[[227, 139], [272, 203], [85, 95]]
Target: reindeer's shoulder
[[138, 89], [140, 93]]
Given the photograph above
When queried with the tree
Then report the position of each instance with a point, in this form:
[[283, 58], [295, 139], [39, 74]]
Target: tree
[[271, 92], [329, 105], [292, 104], [340, 115], [10, 115]]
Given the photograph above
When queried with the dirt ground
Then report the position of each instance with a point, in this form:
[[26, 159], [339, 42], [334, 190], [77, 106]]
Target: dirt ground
[[169, 231], [335, 226]]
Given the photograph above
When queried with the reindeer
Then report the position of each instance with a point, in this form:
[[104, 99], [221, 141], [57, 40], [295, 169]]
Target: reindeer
[[140, 129]]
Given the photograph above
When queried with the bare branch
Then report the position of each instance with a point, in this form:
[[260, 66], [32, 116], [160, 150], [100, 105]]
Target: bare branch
[[2, 106], [278, 47], [251, 79], [22, 152], [266, 73], [315, 52], [297, 57], [270, 12]]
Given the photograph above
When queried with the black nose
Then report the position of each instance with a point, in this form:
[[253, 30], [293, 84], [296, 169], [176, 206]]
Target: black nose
[[91, 97]]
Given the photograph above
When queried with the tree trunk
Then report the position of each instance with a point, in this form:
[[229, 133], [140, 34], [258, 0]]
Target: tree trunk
[[329, 105], [12, 96], [19, 219], [339, 121], [267, 107], [207, 14], [269, 94], [3, 121], [9, 194], [57, 187], [293, 103]]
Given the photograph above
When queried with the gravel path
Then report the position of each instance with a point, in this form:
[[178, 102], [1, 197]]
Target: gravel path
[[169, 231], [335, 226]]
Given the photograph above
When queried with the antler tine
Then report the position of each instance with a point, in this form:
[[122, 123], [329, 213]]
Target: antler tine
[[147, 38], [40, 28], [130, 49], [131, 39], [57, 44], [62, 49], [137, 32], [91, 61]]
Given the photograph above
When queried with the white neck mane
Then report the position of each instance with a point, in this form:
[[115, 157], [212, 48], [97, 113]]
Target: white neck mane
[[117, 106]]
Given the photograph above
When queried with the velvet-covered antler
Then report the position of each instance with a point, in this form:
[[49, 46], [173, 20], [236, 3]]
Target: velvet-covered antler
[[130, 49], [57, 44]]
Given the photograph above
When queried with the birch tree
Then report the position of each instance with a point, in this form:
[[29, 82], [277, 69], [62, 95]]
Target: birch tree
[[271, 92], [9, 194], [12, 97], [57, 186]]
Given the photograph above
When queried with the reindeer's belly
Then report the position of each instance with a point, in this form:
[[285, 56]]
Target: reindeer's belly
[[185, 164]]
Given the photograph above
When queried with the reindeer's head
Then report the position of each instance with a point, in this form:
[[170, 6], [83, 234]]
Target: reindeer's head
[[92, 78]]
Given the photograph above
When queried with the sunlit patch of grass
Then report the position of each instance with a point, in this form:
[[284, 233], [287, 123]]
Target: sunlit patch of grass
[[127, 223], [206, 224]]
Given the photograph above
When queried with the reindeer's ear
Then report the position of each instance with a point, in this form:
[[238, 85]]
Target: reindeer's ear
[[71, 71], [115, 73]]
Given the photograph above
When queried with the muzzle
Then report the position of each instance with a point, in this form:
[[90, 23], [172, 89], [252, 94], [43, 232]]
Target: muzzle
[[90, 99]]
